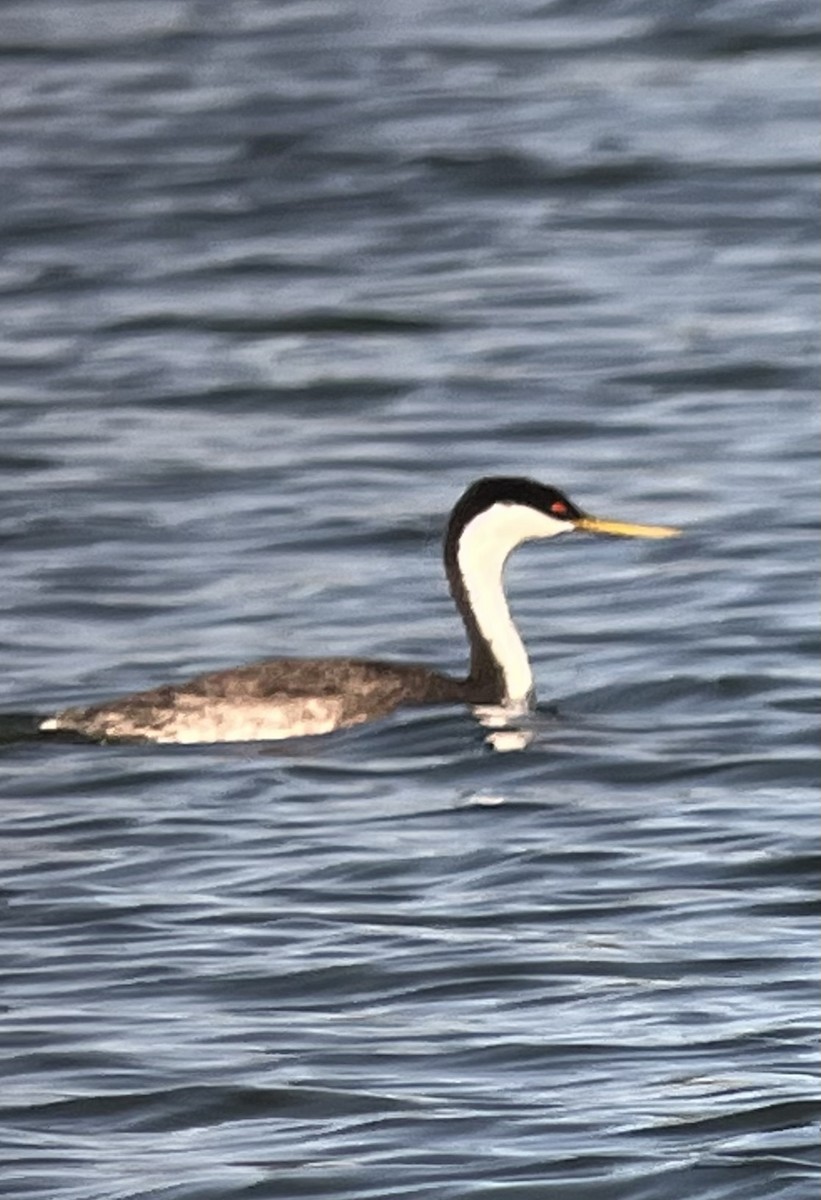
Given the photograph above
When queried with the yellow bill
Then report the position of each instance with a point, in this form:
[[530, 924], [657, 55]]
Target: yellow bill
[[624, 528]]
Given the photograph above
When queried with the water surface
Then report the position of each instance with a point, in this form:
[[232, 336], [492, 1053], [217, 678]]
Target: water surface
[[276, 282]]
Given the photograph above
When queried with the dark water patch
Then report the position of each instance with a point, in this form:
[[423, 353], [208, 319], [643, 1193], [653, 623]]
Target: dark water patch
[[152, 1112], [321, 396], [307, 323], [806, 866], [55, 279], [749, 376], [563, 426], [501, 171], [719, 40], [259, 266], [759, 1118], [26, 462], [740, 30]]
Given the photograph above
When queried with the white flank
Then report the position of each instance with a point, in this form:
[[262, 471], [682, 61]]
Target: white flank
[[483, 549], [195, 720]]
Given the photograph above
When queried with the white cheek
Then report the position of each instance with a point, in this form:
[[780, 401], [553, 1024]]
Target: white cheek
[[490, 537]]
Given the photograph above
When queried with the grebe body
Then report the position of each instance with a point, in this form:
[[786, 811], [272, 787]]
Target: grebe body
[[294, 697]]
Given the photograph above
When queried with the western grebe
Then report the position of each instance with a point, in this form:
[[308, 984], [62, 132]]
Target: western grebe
[[292, 697]]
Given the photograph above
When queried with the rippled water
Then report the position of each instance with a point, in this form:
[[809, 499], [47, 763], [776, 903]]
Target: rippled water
[[276, 281]]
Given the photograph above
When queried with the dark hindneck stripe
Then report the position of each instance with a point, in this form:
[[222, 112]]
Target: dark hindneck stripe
[[486, 679]]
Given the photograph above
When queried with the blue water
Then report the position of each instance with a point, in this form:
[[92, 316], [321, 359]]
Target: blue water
[[276, 282]]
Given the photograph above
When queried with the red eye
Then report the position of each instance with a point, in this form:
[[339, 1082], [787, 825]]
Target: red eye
[[559, 508]]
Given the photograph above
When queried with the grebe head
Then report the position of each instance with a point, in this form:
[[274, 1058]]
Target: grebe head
[[492, 518], [503, 511]]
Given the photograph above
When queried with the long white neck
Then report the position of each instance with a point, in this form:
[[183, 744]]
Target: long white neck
[[483, 548]]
